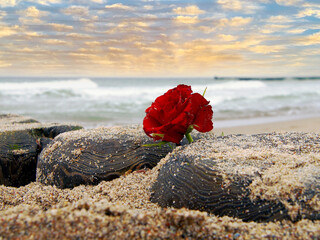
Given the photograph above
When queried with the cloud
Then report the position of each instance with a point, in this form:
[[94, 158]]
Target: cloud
[[100, 36], [2, 14], [234, 22], [4, 64], [116, 50], [119, 6], [271, 28], [309, 12], [55, 42], [240, 6], [8, 31], [289, 2], [148, 7], [227, 37], [234, 5], [8, 3], [224, 23], [45, 2], [265, 49], [76, 10], [79, 36], [93, 44], [311, 5], [130, 25], [279, 19], [296, 30], [312, 39], [130, 55], [204, 55], [60, 27], [86, 1], [33, 12], [30, 21], [30, 34], [189, 10], [311, 52], [31, 15], [186, 19]]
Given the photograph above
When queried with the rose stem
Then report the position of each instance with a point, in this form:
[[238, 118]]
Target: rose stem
[[188, 136]]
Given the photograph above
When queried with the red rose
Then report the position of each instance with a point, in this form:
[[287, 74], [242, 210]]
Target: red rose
[[170, 115]]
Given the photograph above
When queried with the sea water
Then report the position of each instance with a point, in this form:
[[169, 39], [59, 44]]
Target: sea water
[[96, 102]]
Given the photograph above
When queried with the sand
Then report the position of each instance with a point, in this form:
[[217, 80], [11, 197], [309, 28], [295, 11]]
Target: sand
[[120, 209], [298, 125]]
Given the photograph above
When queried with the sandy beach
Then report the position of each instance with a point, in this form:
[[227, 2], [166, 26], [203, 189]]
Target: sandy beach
[[299, 125], [121, 209]]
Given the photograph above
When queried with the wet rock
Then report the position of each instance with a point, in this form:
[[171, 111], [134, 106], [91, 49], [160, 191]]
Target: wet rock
[[20, 146], [91, 156], [263, 177], [18, 158]]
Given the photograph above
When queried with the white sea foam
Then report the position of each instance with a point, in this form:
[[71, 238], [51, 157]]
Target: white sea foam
[[45, 85], [237, 85]]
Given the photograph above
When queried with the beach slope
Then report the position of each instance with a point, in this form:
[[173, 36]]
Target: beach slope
[[121, 208]]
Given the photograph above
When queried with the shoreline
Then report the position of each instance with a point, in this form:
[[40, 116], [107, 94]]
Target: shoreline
[[310, 124], [240, 126]]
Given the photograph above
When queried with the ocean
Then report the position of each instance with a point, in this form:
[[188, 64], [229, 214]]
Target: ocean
[[94, 102]]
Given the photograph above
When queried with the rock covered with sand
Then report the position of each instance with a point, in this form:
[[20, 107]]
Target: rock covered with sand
[[95, 155], [261, 177]]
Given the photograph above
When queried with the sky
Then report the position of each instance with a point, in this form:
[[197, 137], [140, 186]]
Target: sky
[[153, 38]]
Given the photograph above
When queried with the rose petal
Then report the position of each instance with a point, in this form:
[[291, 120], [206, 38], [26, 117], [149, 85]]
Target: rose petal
[[203, 120], [172, 133], [185, 91]]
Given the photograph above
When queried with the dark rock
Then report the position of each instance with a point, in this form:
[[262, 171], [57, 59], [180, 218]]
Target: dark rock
[[52, 132], [264, 177], [21, 140], [91, 156], [44, 141], [18, 158]]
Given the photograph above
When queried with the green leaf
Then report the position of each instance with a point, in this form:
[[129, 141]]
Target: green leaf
[[159, 144], [157, 135], [204, 92]]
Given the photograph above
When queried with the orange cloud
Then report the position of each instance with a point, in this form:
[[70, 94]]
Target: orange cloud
[[265, 49], [4, 64], [227, 37]]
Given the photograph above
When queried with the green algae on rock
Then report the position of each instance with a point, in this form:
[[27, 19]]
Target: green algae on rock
[[21, 141]]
